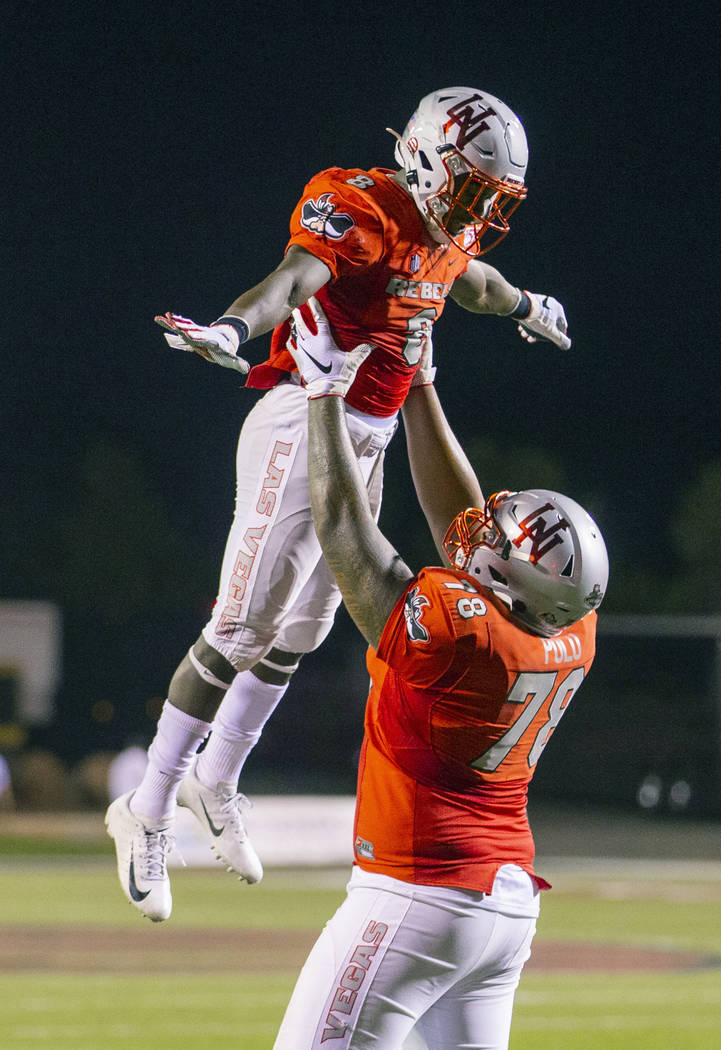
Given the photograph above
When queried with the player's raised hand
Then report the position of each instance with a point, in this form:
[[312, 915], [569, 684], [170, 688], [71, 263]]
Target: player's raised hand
[[546, 320], [218, 343], [323, 367]]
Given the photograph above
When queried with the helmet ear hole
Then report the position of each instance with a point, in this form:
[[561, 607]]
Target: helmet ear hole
[[424, 160]]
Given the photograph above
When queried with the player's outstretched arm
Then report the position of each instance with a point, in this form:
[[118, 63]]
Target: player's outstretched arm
[[271, 302], [369, 571], [256, 311], [483, 290]]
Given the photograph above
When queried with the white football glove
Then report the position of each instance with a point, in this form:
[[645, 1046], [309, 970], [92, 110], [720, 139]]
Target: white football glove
[[545, 321], [323, 368], [217, 343]]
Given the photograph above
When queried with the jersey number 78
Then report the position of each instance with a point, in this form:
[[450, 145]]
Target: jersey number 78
[[532, 689]]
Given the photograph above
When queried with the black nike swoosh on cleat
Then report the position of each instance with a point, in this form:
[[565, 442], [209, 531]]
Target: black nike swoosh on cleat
[[215, 830], [325, 369], [135, 893]]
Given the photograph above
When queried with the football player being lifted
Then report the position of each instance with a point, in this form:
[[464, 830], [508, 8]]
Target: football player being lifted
[[382, 250]]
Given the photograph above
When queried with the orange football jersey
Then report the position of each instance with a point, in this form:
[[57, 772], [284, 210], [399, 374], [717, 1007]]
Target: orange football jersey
[[462, 703], [389, 280]]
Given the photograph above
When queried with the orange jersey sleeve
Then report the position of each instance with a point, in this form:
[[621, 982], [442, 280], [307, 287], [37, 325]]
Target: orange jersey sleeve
[[462, 703], [389, 280]]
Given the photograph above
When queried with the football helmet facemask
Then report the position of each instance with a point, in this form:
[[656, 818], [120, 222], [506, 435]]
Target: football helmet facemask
[[464, 154], [539, 551]]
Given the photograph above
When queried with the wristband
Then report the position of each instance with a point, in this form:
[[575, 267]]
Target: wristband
[[424, 377], [238, 324], [523, 307]]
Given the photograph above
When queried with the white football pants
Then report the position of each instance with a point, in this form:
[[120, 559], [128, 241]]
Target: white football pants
[[275, 586], [397, 962]]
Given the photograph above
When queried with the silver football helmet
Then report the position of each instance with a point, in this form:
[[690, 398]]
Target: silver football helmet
[[539, 551], [464, 154]]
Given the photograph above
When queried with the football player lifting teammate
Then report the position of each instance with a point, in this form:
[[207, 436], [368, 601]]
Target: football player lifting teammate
[[472, 666]]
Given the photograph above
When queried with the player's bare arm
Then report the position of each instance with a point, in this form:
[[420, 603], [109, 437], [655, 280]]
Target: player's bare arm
[[483, 290], [444, 479], [369, 571], [271, 302], [254, 312]]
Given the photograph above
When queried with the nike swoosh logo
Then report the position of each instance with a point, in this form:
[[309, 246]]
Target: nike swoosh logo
[[324, 368], [135, 893], [215, 830]]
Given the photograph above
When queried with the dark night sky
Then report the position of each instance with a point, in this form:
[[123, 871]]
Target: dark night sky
[[154, 153]]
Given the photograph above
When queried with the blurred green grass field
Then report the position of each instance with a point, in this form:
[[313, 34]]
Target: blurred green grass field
[[49, 1002]]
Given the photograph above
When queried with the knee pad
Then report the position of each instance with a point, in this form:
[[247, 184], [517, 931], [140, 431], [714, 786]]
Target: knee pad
[[200, 680], [211, 665], [277, 666]]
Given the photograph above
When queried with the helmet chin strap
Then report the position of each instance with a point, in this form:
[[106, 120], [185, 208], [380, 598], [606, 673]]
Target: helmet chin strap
[[399, 145]]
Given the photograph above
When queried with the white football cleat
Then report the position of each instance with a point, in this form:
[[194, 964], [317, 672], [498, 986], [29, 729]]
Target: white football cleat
[[142, 847], [218, 811]]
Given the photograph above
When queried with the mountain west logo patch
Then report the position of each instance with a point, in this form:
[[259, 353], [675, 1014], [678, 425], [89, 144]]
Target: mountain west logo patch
[[320, 217], [364, 848], [413, 610]]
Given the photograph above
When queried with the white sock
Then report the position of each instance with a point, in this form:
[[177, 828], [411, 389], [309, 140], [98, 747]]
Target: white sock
[[170, 756], [243, 712]]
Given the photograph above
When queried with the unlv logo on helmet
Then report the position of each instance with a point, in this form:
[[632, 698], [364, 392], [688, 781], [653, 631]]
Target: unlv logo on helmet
[[320, 217], [470, 118], [543, 538]]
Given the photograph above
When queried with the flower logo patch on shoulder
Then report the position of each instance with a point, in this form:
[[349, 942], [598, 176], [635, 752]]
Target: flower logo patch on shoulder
[[320, 217], [413, 611]]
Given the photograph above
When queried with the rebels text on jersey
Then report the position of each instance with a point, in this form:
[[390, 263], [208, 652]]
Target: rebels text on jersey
[[389, 280], [462, 703]]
